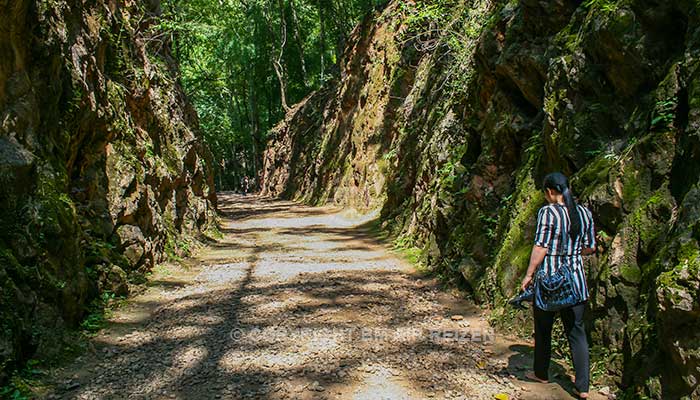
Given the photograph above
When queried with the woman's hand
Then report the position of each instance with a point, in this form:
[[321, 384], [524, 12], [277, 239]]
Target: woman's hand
[[526, 282], [536, 258]]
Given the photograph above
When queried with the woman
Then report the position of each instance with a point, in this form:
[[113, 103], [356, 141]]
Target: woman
[[565, 231]]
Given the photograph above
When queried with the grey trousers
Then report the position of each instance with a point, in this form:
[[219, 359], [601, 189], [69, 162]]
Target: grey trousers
[[572, 318]]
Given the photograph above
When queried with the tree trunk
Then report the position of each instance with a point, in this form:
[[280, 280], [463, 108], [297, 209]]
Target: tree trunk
[[278, 59], [322, 41], [254, 122], [343, 30], [297, 39]]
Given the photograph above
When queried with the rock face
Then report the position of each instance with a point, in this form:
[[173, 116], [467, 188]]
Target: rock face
[[450, 133], [101, 170]]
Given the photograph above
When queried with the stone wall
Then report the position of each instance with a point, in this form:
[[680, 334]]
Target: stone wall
[[102, 171], [448, 125]]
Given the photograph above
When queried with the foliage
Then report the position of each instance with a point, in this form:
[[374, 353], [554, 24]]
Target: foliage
[[601, 359], [19, 386], [456, 39], [406, 246], [176, 248], [664, 114], [100, 311], [426, 13], [230, 54], [603, 5]]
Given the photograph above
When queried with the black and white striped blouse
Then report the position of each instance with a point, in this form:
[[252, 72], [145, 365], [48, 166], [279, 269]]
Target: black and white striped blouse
[[553, 233]]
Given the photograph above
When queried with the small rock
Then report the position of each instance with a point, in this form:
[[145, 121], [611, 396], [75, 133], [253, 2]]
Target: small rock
[[457, 317], [316, 387]]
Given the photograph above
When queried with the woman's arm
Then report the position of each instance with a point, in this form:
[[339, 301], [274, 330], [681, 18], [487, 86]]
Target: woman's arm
[[536, 258], [589, 239]]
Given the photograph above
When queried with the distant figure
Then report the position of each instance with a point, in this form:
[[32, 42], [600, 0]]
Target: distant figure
[[565, 231], [246, 185]]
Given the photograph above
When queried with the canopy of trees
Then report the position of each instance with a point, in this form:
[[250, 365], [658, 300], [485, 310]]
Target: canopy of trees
[[244, 62]]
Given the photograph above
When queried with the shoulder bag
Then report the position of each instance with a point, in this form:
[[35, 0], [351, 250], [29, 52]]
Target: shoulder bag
[[556, 291]]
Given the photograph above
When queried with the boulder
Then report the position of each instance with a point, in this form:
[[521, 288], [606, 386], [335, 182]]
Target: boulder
[[133, 244], [113, 279]]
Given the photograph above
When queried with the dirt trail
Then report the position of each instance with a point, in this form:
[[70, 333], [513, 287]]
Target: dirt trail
[[298, 303]]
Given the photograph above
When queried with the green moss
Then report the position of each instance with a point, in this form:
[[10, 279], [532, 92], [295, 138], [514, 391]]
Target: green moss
[[594, 172], [413, 254], [632, 189], [9, 262], [175, 246], [213, 231], [642, 229], [631, 272], [689, 250], [172, 159], [512, 258], [643, 217], [688, 265]]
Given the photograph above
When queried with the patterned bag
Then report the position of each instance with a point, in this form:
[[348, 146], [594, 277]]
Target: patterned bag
[[556, 291]]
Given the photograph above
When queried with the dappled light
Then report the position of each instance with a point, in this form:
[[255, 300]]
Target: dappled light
[[348, 322], [349, 199]]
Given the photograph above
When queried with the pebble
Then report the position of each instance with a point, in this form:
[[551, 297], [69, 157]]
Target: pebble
[[605, 390], [161, 353]]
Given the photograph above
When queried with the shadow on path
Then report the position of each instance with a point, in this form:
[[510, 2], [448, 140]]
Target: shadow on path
[[294, 302]]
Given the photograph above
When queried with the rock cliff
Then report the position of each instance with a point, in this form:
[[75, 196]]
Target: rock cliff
[[446, 117], [102, 172]]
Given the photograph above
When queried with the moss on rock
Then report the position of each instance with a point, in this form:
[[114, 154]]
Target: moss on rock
[[602, 91], [92, 139]]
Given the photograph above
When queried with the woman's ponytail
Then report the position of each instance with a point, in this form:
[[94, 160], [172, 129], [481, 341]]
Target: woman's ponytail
[[558, 182], [575, 228]]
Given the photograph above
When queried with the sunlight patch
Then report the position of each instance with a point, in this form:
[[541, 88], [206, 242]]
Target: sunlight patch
[[223, 273]]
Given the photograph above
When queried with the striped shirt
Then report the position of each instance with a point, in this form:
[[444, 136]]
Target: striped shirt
[[553, 233]]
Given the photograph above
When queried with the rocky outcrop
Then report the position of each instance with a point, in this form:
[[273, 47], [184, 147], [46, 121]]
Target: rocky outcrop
[[448, 124], [102, 172]]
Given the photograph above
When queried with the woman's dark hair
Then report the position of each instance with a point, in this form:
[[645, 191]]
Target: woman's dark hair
[[557, 181]]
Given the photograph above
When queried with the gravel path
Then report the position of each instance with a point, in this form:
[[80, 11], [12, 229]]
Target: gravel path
[[298, 303]]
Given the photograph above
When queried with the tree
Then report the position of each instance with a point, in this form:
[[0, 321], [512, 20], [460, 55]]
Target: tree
[[244, 62]]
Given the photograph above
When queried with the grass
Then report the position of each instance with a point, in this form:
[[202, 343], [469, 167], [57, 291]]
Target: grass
[[161, 270]]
